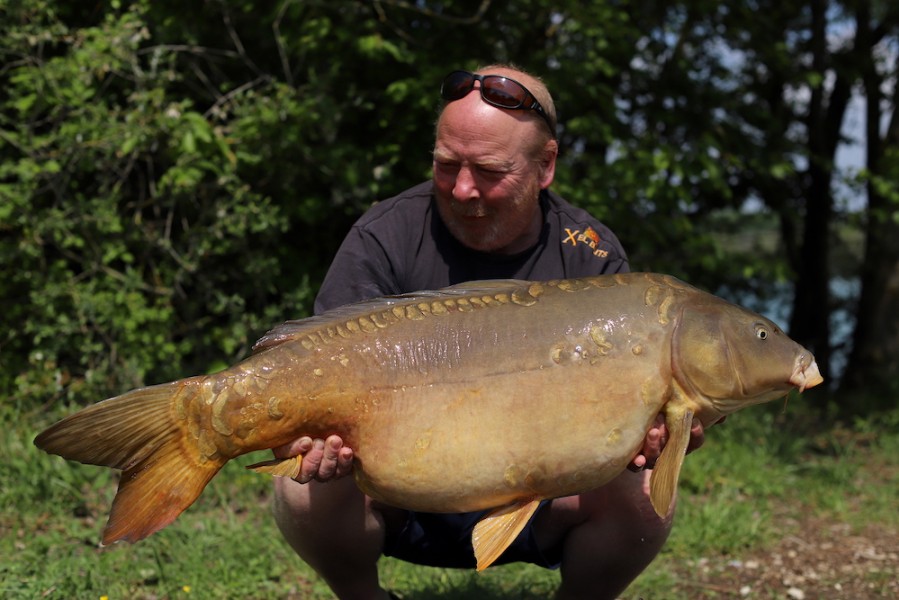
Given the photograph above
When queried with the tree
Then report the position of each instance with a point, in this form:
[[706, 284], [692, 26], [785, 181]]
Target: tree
[[122, 208], [875, 354], [769, 85], [806, 78], [175, 177]]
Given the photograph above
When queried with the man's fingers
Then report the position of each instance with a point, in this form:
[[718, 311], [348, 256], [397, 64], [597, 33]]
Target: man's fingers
[[697, 435], [657, 437], [327, 467], [312, 459], [652, 448], [323, 460], [637, 464], [295, 448], [344, 462]]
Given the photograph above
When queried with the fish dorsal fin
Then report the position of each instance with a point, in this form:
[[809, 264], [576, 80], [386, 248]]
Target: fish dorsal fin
[[378, 310], [499, 528], [488, 286], [296, 329], [663, 484]]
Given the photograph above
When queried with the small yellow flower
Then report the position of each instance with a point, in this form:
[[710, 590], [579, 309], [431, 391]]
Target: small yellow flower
[[186, 589], [104, 597]]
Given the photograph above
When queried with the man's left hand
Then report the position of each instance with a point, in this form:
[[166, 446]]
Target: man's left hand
[[655, 441]]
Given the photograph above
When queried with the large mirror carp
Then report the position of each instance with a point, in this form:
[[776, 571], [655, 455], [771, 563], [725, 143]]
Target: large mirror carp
[[485, 395]]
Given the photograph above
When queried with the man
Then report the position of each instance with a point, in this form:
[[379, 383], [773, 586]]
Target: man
[[487, 213]]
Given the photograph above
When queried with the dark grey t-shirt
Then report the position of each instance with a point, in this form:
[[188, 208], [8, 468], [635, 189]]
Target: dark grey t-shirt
[[401, 245]]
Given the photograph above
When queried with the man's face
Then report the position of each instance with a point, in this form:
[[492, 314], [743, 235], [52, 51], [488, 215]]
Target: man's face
[[487, 178]]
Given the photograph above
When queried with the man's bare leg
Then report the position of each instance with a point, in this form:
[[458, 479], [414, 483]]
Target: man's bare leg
[[335, 531], [332, 526], [609, 536]]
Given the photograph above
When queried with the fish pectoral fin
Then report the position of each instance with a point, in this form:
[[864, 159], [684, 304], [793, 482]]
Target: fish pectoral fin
[[663, 484], [499, 528], [279, 467]]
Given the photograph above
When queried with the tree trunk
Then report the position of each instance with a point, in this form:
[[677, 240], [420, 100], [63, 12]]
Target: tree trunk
[[809, 322], [872, 375]]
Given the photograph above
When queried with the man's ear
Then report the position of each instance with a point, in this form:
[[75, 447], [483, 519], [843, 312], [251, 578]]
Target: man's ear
[[548, 163]]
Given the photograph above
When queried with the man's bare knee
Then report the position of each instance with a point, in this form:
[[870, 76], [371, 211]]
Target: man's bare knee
[[312, 507]]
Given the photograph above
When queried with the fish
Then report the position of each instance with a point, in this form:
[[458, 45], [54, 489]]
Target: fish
[[487, 395]]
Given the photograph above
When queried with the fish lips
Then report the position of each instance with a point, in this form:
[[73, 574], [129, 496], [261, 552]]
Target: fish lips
[[806, 373]]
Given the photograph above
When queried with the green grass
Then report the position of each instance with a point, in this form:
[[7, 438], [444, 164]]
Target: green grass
[[759, 469]]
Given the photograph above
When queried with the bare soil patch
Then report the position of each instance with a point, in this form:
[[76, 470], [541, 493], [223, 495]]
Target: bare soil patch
[[815, 558]]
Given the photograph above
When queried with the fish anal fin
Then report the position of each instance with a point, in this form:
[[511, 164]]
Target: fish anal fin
[[279, 467], [499, 528], [663, 484]]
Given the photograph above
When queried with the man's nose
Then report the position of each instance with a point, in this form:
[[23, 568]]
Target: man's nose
[[465, 188]]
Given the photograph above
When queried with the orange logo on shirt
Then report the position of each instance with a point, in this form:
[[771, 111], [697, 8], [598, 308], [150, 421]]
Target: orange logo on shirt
[[588, 237]]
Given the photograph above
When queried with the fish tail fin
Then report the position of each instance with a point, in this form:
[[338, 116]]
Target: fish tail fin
[[163, 470]]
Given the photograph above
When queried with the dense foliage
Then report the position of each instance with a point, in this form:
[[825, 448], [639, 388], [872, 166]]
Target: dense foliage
[[174, 177]]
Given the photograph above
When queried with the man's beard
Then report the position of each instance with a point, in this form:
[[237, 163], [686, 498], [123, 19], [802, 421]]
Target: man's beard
[[490, 233]]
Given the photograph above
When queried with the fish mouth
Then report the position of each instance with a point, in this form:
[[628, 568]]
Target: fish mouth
[[805, 373]]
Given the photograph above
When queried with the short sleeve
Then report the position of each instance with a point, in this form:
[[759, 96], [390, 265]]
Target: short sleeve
[[360, 270]]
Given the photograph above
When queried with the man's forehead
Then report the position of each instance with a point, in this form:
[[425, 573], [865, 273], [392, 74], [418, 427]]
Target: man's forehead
[[470, 118], [480, 156], [476, 145]]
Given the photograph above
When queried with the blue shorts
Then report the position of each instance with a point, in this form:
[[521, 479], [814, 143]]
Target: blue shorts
[[444, 540]]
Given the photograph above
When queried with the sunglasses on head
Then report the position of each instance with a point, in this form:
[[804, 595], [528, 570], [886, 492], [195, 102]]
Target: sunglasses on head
[[496, 90]]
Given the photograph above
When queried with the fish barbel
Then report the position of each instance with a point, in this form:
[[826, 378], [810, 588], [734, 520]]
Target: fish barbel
[[485, 395]]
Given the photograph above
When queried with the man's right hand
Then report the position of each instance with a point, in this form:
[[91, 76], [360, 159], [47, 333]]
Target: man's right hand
[[323, 460]]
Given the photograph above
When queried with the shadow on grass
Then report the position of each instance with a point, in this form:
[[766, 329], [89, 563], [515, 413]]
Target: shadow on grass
[[505, 582], [466, 593]]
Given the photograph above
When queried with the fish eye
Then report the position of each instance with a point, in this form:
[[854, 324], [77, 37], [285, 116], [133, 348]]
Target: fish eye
[[761, 332]]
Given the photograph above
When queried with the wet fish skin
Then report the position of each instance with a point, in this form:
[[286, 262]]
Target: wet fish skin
[[484, 395]]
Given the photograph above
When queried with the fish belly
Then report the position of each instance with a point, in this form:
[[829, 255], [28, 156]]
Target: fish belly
[[543, 433]]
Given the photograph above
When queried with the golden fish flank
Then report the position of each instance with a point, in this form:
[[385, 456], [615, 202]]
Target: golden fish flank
[[436, 392]]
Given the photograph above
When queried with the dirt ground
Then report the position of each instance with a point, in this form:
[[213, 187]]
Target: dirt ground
[[825, 561]]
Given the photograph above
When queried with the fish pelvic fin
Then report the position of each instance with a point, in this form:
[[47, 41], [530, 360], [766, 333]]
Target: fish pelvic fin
[[279, 467], [665, 475], [163, 471], [499, 528]]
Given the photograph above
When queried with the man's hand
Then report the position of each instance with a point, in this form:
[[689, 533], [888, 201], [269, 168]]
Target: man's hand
[[655, 441], [323, 460]]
